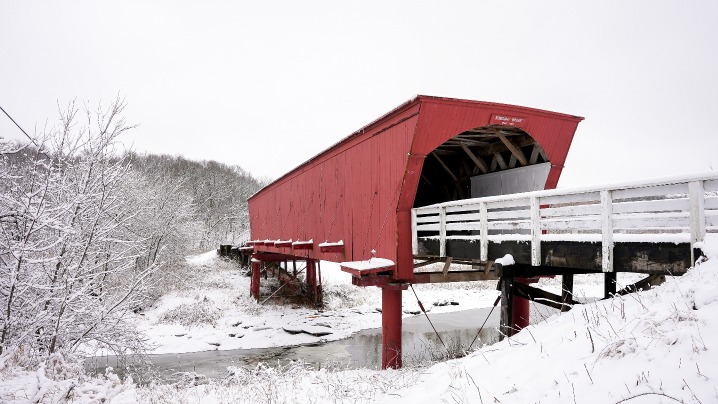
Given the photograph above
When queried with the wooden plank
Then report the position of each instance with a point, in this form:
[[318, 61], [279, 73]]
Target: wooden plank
[[458, 226], [535, 232], [574, 210], [591, 196], [414, 233], [710, 185], [646, 221], [442, 231], [696, 194], [510, 225], [651, 191], [509, 214], [582, 223], [427, 219], [515, 151], [484, 245], [428, 227], [462, 217], [454, 276], [661, 205], [607, 231], [710, 202], [512, 162], [477, 160]]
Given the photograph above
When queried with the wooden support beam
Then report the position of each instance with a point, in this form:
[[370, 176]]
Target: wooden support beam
[[441, 162], [534, 154], [447, 264], [499, 147], [454, 276], [541, 296], [427, 262], [543, 154], [477, 160], [609, 285], [643, 284], [512, 161], [500, 160], [566, 291], [506, 286], [513, 149]]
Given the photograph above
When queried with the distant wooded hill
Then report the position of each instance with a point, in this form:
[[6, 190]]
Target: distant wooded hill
[[218, 193]]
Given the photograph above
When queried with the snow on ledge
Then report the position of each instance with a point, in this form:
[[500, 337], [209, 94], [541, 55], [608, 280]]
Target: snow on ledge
[[506, 260], [328, 244], [372, 263], [303, 242]]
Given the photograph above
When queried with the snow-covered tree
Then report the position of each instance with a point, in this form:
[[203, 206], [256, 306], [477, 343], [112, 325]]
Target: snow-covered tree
[[69, 245]]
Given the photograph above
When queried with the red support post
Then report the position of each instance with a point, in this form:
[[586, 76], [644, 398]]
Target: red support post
[[254, 288], [520, 311], [311, 279], [390, 327]]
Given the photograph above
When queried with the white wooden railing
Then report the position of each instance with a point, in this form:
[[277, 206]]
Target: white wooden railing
[[679, 209]]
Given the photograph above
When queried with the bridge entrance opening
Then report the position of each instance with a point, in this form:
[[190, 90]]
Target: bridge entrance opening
[[484, 161]]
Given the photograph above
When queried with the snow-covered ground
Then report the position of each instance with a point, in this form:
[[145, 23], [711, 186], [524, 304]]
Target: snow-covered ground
[[216, 312], [647, 347]]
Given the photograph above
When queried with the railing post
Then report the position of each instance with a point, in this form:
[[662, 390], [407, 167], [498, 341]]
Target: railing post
[[414, 234], [535, 231], [484, 243], [442, 231], [606, 231], [696, 195]]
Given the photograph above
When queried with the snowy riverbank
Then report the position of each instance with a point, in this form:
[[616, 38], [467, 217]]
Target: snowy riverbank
[[652, 346]]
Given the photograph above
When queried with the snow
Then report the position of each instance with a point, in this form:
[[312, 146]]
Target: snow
[[217, 313], [506, 260], [328, 244], [373, 263], [647, 347]]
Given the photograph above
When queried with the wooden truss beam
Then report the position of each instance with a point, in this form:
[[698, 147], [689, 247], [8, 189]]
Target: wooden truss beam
[[477, 160], [436, 156], [514, 150]]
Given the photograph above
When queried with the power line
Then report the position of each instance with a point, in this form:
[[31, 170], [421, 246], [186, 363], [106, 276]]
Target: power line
[[19, 127]]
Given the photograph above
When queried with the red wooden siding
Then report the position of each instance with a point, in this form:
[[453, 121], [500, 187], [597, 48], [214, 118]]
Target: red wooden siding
[[362, 189]]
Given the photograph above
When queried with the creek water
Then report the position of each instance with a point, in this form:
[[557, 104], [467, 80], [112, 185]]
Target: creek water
[[420, 345]]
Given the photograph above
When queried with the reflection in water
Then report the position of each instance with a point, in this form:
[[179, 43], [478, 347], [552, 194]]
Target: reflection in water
[[420, 346]]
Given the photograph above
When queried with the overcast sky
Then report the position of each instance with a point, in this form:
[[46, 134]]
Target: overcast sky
[[267, 85]]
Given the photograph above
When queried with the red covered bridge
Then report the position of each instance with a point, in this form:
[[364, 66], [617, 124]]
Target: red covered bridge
[[354, 201]]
